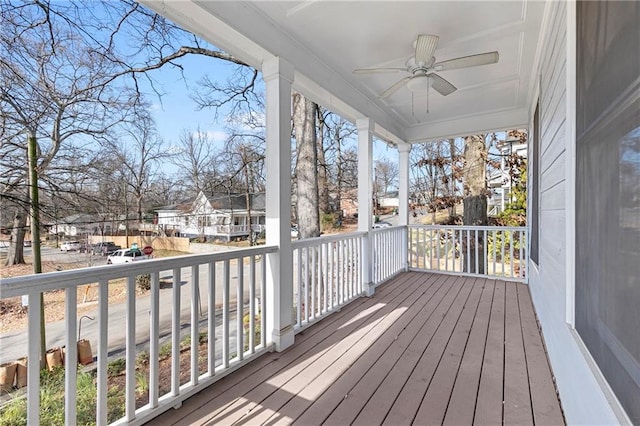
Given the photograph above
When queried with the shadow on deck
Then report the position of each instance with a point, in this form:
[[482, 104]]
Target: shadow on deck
[[425, 349]]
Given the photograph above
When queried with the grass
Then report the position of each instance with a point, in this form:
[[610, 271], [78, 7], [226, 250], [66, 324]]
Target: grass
[[52, 401]]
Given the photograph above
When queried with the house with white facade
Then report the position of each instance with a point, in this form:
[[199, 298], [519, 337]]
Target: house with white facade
[[81, 224], [391, 325], [214, 216], [499, 180]]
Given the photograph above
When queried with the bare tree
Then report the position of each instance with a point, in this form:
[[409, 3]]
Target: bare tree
[[386, 174], [138, 154], [194, 157], [55, 87]]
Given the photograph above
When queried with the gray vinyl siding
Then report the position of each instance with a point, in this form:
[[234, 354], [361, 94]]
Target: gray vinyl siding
[[582, 397]]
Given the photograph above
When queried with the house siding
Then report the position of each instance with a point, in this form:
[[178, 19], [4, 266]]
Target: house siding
[[583, 398]]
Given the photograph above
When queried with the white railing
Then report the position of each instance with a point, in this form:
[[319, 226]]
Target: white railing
[[327, 274], [495, 251], [211, 306], [388, 252]]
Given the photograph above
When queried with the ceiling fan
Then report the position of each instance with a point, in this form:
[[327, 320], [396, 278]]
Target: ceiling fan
[[422, 68]]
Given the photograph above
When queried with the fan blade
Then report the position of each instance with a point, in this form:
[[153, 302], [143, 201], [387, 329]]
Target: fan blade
[[378, 70], [468, 61], [393, 89], [441, 85], [425, 47]]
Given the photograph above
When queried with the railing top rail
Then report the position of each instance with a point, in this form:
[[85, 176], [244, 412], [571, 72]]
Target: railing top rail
[[19, 286], [388, 228], [472, 228], [310, 242]]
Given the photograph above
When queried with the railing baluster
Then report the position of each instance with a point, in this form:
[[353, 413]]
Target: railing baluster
[[195, 322], [305, 276], [226, 285], [154, 336], [103, 350], [33, 363], [175, 333], [252, 303], [263, 303], [511, 253], [299, 289], [477, 250], [312, 272], [240, 309], [211, 321], [130, 350], [495, 243], [503, 241], [340, 281], [323, 276], [522, 240], [71, 355], [485, 243]]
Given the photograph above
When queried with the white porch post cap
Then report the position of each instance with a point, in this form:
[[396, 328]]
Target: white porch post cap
[[277, 67]]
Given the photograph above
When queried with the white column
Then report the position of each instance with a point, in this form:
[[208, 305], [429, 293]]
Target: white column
[[278, 76], [403, 197], [365, 194]]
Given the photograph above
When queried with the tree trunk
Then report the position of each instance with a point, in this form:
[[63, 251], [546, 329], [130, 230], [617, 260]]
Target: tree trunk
[[304, 123], [15, 256], [452, 179], [475, 201], [323, 184]]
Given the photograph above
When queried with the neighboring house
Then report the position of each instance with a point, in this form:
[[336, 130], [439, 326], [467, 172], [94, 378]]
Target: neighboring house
[[390, 199], [499, 181], [80, 224], [214, 216], [170, 219]]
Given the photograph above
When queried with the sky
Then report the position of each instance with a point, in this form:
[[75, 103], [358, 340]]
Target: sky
[[175, 110]]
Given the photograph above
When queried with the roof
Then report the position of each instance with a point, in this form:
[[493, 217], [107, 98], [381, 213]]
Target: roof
[[236, 201]]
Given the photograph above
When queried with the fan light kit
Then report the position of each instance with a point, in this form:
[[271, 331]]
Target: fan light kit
[[422, 68]]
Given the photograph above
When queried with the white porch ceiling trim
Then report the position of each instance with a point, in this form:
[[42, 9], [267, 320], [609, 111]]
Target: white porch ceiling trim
[[481, 123]]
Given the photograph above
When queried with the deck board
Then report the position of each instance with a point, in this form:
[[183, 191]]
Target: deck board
[[460, 411], [425, 349]]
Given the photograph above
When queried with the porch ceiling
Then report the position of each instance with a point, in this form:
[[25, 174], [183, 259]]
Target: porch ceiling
[[326, 40]]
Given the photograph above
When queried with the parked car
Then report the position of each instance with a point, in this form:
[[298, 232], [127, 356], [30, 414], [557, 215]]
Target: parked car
[[27, 243], [381, 224], [126, 256], [105, 248], [294, 232], [70, 246]]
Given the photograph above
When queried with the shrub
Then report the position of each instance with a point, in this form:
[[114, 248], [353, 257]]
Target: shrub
[[116, 367], [143, 282]]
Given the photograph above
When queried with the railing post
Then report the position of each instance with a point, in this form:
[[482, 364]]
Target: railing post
[[278, 76], [365, 191], [403, 199]]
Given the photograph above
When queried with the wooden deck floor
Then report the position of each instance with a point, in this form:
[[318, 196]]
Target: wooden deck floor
[[425, 349]]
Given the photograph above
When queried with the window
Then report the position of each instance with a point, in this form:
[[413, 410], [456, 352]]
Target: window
[[607, 224], [535, 188]]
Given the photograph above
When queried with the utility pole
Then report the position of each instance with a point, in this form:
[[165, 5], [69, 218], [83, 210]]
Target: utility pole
[[35, 232]]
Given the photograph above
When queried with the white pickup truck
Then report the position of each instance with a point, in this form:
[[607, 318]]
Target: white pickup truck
[[126, 256]]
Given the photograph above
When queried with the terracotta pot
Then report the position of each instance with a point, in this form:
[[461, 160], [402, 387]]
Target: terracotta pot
[[54, 358], [21, 372], [7, 375], [85, 355]]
